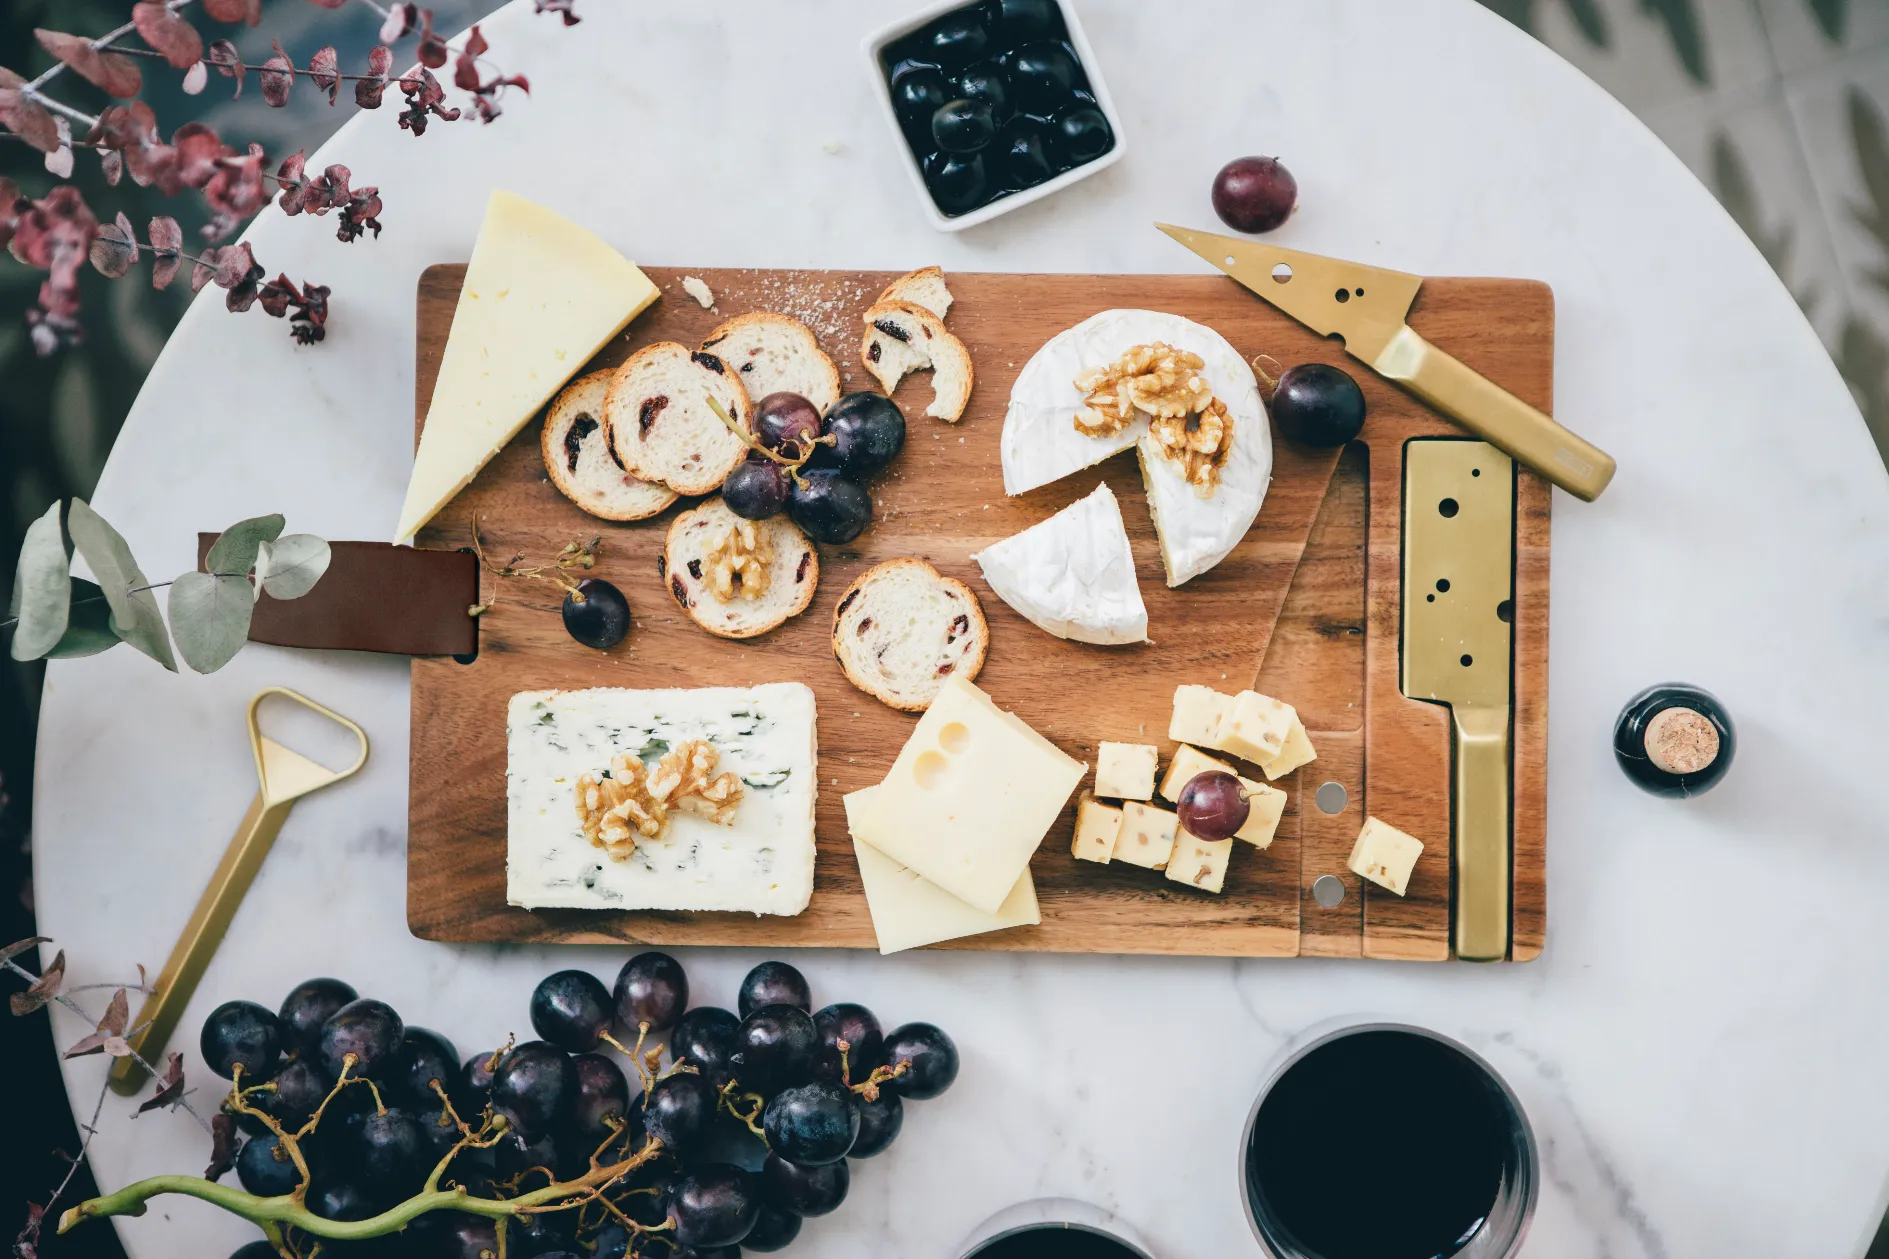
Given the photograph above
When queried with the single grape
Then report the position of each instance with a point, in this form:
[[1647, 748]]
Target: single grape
[[865, 1042], [868, 431], [1042, 75], [652, 991], [678, 1112], [1213, 805], [932, 1059], [1022, 20], [757, 488], [775, 1227], [475, 1169], [705, 1039], [475, 1078], [602, 1093], [650, 1208], [469, 1237], [1083, 135], [959, 182], [535, 1087], [917, 92], [1254, 194], [517, 1152], [299, 1089], [811, 1124], [426, 1058], [596, 614], [729, 1140], [342, 1200], [804, 1190], [611, 1242], [572, 1010], [773, 983], [774, 1048], [960, 37], [265, 1168], [714, 1205], [541, 1235], [879, 1123], [366, 1030], [787, 423], [1316, 404], [394, 1153], [441, 1133], [963, 126], [308, 1005], [830, 506], [241, 1034]]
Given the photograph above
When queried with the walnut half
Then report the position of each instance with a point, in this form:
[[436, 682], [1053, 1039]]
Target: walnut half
[[737, 565]]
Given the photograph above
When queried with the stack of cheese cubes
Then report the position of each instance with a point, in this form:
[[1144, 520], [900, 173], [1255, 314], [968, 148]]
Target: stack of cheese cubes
[[944, 843]]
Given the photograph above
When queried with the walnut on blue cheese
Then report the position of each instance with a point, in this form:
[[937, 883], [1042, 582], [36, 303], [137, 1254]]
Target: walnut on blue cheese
[[759, 858]]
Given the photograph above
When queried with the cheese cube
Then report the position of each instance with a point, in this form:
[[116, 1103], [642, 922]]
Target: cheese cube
[[909, 911], [1199, 712], [1256, 728], [1296, 751], [1265, 806], [1125, 771], [1097, 825], [1384, 855], [970, 797], [1200, 863], [1188, 763], [1147, 835]]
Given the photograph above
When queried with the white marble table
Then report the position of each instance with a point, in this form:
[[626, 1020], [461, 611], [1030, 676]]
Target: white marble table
[[1700, 1047]]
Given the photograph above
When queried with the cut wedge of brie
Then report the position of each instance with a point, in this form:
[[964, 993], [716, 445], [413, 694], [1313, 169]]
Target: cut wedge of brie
[[1072, 575], [1041, 444]]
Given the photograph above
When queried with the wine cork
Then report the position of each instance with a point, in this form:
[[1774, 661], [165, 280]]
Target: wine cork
[[1681, 740]]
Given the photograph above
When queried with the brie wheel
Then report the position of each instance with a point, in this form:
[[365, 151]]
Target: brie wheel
[[1040, 442], [1072, 575]]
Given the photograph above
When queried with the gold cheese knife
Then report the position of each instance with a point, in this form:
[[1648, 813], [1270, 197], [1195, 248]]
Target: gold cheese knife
[[1459, 531], [285, 776], [1366, 306]]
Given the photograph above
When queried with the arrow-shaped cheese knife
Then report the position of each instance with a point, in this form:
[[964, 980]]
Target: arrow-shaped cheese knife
[[1366, 306]]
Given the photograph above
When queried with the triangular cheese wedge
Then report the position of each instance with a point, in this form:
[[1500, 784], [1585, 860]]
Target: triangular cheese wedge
[[1072, 575], [541, 296]]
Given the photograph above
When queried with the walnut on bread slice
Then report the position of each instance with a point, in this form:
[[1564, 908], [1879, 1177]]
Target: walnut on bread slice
[[578, 458], [773, 353], [904, 337], [737, 578], [659, 422], [903, 627]]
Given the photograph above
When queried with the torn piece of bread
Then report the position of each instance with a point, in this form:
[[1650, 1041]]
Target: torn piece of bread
[[923, 287], [904, 337]]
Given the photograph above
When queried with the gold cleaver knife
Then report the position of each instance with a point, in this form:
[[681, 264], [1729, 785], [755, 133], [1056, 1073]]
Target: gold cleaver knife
[[1459, 550], [1366, 306]]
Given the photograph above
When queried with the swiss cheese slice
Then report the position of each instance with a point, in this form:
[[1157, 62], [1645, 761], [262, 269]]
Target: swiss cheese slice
[[909, 911], [541, 296]]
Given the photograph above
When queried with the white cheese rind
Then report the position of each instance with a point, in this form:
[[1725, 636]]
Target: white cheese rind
[[909, 911], [761, 863], [1072, 575]]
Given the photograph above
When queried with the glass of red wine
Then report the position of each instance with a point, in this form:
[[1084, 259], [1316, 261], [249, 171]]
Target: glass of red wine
[[1053, 1228]]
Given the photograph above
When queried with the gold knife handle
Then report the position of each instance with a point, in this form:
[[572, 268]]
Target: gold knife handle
[[1481, 848], [195, 947], [1493, 413]]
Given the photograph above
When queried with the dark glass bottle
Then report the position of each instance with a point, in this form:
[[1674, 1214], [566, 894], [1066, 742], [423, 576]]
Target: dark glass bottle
[[1674, 740]]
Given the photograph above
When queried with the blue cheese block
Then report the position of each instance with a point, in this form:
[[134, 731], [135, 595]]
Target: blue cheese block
[[761, 863]]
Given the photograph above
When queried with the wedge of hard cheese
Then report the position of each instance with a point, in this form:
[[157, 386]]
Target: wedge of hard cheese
[[541, 296], [909, 911]]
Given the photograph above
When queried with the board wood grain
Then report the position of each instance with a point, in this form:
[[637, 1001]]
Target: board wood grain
[[1297, 603]]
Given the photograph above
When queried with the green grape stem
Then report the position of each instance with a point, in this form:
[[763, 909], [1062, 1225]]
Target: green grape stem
[[748, 439]]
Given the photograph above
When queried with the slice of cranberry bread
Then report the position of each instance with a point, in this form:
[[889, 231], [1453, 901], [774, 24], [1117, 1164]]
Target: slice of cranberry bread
[[578, 457], [776, 354], [904, 337], [903, 628], [737, 578], [659, 422]]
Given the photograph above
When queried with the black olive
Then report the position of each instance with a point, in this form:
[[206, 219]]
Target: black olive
[[958, 181], [963, 126], [959, 38], [1084, 135], [1042, 75]]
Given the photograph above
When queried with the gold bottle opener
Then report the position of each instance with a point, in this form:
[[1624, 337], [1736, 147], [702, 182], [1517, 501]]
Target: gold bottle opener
[[285, 776], [1459, 591]]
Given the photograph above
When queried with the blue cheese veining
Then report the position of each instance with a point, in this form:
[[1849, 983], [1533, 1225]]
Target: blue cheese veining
[[761, 862]]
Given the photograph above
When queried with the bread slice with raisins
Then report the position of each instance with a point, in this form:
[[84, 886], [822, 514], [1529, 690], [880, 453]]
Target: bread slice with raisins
[[923, 287], [693, 566], [773, 353], [658, 420], [903, 628], [904, 337], [578, 458]]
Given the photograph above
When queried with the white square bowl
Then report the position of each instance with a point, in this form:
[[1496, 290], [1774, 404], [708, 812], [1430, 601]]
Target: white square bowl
[[1078, 39]]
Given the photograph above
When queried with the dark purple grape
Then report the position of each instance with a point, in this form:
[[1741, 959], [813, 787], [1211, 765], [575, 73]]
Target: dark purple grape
[[308, 1005], [1083, 135], [932, 1059], [535, 1087], [241, 1034], [369, 1032], [441, 1133], [541, 1235], [963, 126], [958, 38], [602, 1094], [705, 1038], [426, 1057], [1318, 405], [652, 1207], [517, 1152], [1022, 20], [596, 614], [572, 1010], [1254, 194], [468, 1237], [475, 1169], [854, 1024], [342, 1200], [830, 506], [1024, 153], [1213, 805], [475, 1078], [918, 91], [987, 82], [395, 1154], [775, 1227], [299, 1089], [611, 1242], [1042, 74], [758, 488], [786, 422], [652, 992], [714, 1205], [958, 182], [804, 1190], [811, 1124], [774, 1048], [868, 431], [678, 1112], [265, 1168], [879, 1123], [775, 983]]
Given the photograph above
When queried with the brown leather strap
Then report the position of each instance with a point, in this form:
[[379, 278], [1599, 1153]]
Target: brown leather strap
[[377, 597]]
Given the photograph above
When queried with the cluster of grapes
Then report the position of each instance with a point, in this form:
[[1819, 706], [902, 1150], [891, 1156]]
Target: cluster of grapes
[[814, 467], [744, 1133]]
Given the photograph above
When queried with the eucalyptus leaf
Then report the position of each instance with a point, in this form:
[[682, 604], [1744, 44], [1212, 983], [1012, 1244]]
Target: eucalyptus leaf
[[210, 618], [294, 564], [234, 550], [90, 629], [135, 616], [42, 588]]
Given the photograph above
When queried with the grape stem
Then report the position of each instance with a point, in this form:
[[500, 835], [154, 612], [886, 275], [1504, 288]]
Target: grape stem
[[1271, 381], [754, 1112], [574, 555], [793, 466]]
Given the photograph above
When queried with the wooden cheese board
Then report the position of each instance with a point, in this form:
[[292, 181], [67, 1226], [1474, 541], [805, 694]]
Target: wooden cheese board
[[1307, 608]]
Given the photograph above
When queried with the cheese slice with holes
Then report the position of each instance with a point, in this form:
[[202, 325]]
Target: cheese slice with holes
[[541, 296], [909, 911]]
